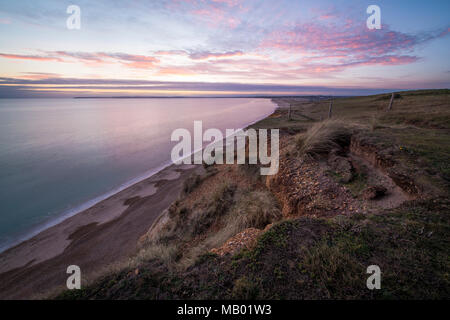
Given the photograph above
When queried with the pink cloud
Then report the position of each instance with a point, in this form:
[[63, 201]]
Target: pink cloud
[[174, 71], [132, 60], [319, 49], [214, 12], [29, 57], [326, 16], [39, 75], [91, 58], [348, 39], [216, 17], [387, 60], [333, 48]]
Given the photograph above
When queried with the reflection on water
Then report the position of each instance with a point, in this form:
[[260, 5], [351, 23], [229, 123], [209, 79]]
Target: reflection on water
[[57, 154]]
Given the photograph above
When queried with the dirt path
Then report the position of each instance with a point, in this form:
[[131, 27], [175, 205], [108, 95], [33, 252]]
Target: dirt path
[[394, 195]]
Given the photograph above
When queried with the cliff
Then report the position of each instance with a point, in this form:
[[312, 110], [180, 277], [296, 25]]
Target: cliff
[[367, 187]]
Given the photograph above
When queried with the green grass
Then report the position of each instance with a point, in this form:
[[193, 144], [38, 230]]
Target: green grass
[[357, 184], [310, 257], [431, 146]]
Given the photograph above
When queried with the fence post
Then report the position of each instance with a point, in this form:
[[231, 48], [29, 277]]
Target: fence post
[[391, 102], [330, 109]]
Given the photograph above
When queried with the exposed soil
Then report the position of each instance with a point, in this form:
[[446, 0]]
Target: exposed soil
[[309, 258], [343, 210], [392, 196], [245, 239]]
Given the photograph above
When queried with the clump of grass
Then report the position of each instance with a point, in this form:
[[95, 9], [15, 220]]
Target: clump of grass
[[176, 244], [332, 269], [323, 137], [358, 184], [215, 209], [166, 253], [245, 289], [253, 209], [185, 224], [187, 235], [191, 183]]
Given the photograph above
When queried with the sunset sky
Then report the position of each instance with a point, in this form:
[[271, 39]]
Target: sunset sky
[[222, 47]]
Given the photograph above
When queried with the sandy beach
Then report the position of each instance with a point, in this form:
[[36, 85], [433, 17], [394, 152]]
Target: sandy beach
[[104, 234], [95, 239]]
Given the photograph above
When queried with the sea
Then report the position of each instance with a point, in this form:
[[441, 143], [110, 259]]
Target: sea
[[59, 157]]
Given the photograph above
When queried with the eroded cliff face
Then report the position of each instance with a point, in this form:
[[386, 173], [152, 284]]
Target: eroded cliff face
[[356, 178], [356, 174], [339, 213], [304, 188], [384, 160], [347, 180]]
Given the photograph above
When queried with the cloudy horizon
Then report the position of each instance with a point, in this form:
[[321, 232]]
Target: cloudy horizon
[[221, 47]]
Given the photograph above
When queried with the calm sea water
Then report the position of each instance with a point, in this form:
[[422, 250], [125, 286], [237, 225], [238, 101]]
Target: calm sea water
[[60, 156]]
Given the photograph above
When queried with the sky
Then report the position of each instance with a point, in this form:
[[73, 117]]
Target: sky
[[221, 47]]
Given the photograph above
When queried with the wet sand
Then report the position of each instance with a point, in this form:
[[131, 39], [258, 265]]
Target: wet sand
[[93, 239]]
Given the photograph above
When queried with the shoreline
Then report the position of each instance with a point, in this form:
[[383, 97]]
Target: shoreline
[[66, 214], [61, 217], [94, 237]]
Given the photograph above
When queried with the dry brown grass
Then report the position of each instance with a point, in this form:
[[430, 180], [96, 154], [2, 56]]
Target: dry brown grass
[[221, 213], [252, 209], [322, 137]]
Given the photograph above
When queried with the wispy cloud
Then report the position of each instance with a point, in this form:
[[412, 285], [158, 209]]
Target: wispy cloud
[[128, 60], [214, 12], [38, 75], [207, 55], [30, 57], [282, 42], [336, 47]]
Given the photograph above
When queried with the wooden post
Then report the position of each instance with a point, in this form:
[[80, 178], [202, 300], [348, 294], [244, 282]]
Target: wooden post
[[289, 113], [391, 102], [330, 109]]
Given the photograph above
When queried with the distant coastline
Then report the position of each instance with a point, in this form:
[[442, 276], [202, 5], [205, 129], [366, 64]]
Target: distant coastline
[[214, 97]]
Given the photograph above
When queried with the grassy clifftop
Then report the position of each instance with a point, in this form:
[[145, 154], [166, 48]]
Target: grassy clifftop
[[368, 187]]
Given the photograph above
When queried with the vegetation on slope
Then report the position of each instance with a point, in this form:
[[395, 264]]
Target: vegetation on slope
[[323, 254]]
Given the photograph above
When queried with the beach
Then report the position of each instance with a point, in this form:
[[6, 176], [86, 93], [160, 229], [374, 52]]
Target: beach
[[105, 233], [61, 156], [102, 235], [199, 152]]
